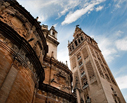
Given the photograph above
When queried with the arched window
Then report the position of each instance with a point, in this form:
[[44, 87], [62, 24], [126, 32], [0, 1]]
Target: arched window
[[87, 97], [76, 43], [79, 41], [53, 33], [70, 49], [72, 46], [81, 38]]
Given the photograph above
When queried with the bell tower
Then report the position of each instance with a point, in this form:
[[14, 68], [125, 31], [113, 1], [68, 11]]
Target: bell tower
[[51, 38], [93, 81]]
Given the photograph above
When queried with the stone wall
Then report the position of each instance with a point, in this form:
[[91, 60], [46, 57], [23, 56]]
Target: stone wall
[[22, 48], [16, 81]]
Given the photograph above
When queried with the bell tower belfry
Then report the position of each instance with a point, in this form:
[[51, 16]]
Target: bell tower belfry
[[51, 38], [93, 81]]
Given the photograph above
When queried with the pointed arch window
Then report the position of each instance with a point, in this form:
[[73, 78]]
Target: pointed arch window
[[76, 43]]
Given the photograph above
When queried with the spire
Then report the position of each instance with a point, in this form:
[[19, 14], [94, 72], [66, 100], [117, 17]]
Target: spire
[[77, 31], [77, 28]]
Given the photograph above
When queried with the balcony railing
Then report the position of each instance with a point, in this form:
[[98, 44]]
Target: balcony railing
[[88, 100], [80, 65], [79, 58], [82, 74], [85, 86]]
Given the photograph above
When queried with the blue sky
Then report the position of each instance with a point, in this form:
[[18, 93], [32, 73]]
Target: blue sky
[[104, 20]]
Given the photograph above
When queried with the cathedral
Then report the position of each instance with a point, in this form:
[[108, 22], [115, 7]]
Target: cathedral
[[31, 73]]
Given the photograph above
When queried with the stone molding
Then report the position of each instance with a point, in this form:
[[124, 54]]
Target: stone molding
[[57, 92]]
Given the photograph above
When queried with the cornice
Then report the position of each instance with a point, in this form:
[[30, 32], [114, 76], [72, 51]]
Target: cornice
[[57, 92], [52, 40]]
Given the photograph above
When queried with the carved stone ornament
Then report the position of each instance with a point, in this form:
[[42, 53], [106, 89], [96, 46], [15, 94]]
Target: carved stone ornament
[[14, 22]]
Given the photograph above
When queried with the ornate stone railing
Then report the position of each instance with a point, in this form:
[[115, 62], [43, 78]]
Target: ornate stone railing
[[58, 64]]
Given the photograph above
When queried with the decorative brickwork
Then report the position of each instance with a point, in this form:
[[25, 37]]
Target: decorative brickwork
[[76, 79], [110, 75], [85, 53], [99, 68], [103, 68], [90, 69], [92, 51], [103, 59], [73, 60], [107, 77]]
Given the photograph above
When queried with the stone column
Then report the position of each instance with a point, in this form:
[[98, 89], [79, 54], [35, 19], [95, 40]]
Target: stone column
[[78, 96]]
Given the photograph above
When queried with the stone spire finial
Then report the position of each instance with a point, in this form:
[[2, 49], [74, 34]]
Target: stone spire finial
[[68, 42], [66, 63], [37, 18], [77, 25]]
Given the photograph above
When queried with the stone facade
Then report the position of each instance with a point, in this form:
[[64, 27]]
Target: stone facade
[[58, 76], [93, 81], [22, 48], [29, 69]]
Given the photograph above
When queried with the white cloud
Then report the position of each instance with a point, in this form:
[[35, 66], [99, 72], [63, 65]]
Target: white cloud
[[111, 45], [121, 44], [73, 16], [122, 82], [90, 10], [63, 56], [107, 48], [64, 11], [120, 71], [36, 8], [49, 8], [68, 5], [118, 3], [119, 33], [41, 18], [99, 8]]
